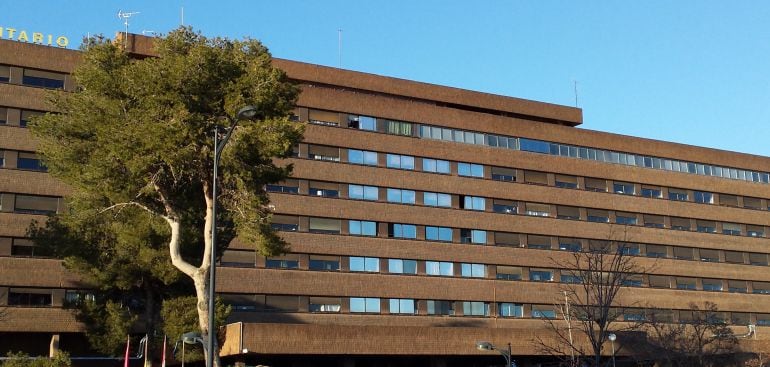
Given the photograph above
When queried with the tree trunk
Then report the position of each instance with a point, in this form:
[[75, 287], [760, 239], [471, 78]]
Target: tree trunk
[[201, 280]]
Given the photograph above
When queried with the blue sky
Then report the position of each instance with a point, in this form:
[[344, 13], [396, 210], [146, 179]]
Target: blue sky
[[693, 72]]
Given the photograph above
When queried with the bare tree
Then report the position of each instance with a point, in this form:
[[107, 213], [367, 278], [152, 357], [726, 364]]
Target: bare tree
[[591, 309], [701, 338]]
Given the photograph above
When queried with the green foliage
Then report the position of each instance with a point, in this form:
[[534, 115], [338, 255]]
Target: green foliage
[[60, 359], [107, 325], [180, 317], [140, 131]]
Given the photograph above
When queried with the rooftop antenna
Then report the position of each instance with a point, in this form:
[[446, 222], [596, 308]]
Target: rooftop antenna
[[125, 15], [339, 48], [182, 15]]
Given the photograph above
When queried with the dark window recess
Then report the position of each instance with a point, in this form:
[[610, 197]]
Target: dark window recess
[[284, 227], [32, 164], [37, 81], [324, 265], [327, 193], [281, 264], [283, 189], [29, 299]]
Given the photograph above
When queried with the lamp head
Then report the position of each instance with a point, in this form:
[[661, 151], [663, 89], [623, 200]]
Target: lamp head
[[612, 337], [246, 113], [192, 338], [484, 346]]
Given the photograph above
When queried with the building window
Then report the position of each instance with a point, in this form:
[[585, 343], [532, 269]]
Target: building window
[[712, 285], [706, 226], [77, 297], [537, 210], [538, 242], [678, 195], [324, 189], [473, 270], [567, 212], [632, 281], [470, 170], [473, 236], [400, 161], [598, 216], [570, 244], [362, 123], [736, 286], [473, 203], [45, 79], [685, 283], [5, 73], [511, 310], [29, 161], [624, 188], [703, 197], [363, 228], [367, 264], [536, 177], [401, 196], [435, 165], [401, 266], [320, 117], [475, 308], [503, 174], [508, 272], [284, 223], [540, 275], [438, 233], [402, 306], [629, 249], [444, 308], [543, 312], [568, 277], [324, 304], [566, 182], [437, 199], [363, 192], [733, 229], [504, 206], [274, 303], [398, 230], [625, 218], [652, 192], [282, 263], [368, 305], [29, 298], [362, 157], [324, 225], [324, 263], [287, 187], [323, 153], [596, 184], [656, 251], [439, 268], [38, 205], [399, 128], [22, 247]]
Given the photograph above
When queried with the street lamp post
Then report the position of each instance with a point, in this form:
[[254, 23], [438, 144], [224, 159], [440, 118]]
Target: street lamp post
[[245, 113], [612, 338], [505, 353]]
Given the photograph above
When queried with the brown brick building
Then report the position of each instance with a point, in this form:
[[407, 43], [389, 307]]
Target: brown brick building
[[422, 219]]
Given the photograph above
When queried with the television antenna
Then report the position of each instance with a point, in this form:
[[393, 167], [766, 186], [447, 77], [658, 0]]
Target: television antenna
[[125, 15]]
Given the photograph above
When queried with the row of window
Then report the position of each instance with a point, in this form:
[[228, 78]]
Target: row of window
[[16, 117], [21, 160], [34, 297], [467, 202], [535, 177], [508, 239], [32, 77], [550, 148], [29, 204], [501, 272], [410, 306]]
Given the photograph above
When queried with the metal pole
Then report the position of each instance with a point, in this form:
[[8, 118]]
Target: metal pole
[[613, 352], [212, 268], [508, 357]]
